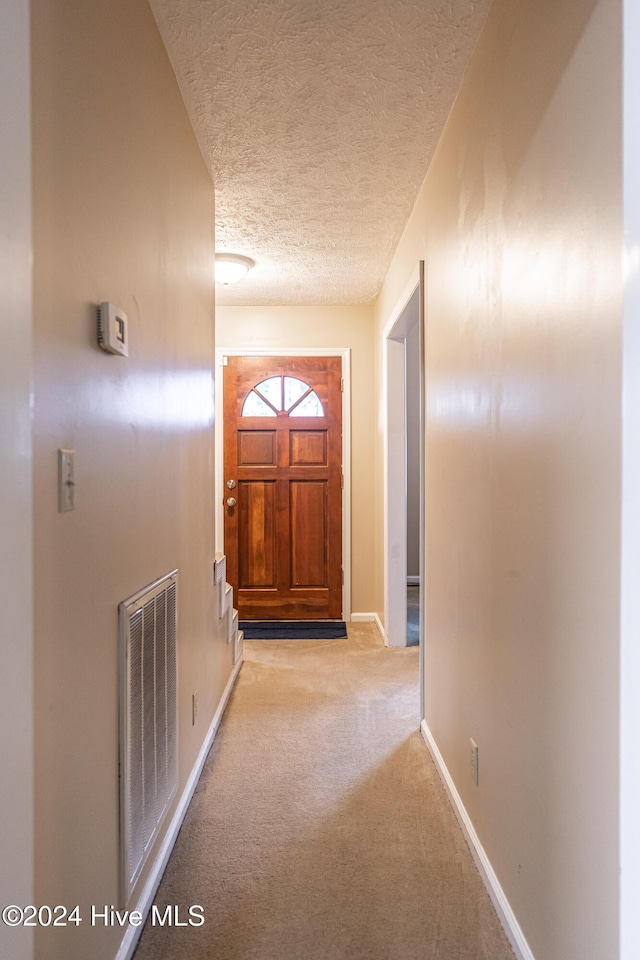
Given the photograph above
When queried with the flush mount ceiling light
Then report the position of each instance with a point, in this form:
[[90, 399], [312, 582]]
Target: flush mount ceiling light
[[231, 267]]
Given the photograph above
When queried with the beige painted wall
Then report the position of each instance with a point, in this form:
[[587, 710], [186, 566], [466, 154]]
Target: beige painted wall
[[519, 222], [16, 558], [274, 327], [124, 211]]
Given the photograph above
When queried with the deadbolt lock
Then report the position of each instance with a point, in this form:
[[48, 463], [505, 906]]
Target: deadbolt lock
[[231, 484]]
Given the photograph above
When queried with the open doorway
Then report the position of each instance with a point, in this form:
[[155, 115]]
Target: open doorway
[[412, 461], [403, 380]]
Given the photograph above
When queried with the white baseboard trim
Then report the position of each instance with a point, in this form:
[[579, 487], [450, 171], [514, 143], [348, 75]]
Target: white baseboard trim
[[413, 581], [506, 915], [379, 625], [130, 940]]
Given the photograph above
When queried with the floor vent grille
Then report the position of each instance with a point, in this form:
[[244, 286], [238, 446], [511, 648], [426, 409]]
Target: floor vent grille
[[148, 720]]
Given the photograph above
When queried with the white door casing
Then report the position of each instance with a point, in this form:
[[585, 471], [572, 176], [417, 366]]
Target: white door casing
[[394, 465]]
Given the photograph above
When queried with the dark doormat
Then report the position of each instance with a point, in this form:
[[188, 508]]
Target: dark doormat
[[293, 629]]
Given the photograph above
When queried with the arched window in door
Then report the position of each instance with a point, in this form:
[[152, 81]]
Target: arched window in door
[[287, 395]]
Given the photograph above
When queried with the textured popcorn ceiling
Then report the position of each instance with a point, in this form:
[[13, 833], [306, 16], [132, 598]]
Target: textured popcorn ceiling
[[318, 119]]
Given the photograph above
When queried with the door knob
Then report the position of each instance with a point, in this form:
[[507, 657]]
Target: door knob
[[231, 501], [231, 484]]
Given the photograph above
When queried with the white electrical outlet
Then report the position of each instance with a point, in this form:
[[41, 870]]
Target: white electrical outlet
[[474, 762], [194, 708]]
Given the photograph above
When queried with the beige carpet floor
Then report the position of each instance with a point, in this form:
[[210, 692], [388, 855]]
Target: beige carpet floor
[[320, 829]]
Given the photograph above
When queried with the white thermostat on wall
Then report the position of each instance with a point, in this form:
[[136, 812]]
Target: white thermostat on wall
[[113, 333]]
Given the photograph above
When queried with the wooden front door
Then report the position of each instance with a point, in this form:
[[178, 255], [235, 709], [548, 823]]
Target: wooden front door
[[283, 469]]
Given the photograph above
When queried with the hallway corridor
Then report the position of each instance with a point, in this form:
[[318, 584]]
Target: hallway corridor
[[320, 829]]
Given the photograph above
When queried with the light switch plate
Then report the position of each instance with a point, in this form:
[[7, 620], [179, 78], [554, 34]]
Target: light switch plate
[[475, 770], [66, 480]]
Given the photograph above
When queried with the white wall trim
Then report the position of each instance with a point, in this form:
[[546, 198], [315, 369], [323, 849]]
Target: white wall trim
[[629, 838], [394, 466], [507, 917], [380, 626], [130, 940], [345, 354]]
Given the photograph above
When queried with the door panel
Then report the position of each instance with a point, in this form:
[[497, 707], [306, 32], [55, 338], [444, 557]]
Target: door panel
[[256, 448], [308, 533], [256, 533], [283, 449], [308, 448]]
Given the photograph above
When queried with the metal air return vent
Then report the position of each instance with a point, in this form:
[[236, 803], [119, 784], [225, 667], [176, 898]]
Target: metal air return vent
[[148, 720]]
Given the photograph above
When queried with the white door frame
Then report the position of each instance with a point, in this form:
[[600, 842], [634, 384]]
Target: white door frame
[[395, 481], [345, 354], [630, 598]]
